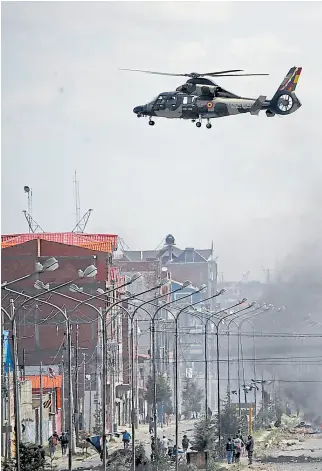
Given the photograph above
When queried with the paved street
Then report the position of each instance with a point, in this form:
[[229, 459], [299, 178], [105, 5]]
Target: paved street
[[290, 455], [142, 435]]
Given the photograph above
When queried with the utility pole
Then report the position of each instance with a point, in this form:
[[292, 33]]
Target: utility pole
[[84, 373], [8, 440], [76, 407], [63, 396], [40, 406], [90, 405]]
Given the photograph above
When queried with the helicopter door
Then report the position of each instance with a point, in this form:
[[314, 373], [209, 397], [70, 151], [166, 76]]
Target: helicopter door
[[172, 102], [159, 104]]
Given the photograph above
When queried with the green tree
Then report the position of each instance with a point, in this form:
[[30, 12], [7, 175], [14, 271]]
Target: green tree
[[163, 393], [204, 435], [192, 396], [231, 421]]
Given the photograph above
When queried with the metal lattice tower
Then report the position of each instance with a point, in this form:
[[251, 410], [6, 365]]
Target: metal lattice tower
[[32, 224], [81, 223]]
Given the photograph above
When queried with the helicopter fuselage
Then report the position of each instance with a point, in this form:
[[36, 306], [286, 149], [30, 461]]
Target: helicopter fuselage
[[174, 105]]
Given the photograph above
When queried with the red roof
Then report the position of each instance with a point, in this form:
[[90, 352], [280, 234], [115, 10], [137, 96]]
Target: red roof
[[99, 242]]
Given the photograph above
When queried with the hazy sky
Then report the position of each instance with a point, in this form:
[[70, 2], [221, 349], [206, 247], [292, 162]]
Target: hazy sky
[[250, 183]]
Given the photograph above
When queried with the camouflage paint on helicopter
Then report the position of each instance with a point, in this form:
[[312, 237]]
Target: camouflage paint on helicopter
[[200, 98]]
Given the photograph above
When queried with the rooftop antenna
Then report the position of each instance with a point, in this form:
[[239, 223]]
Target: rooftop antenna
[[33, 225], [81, 223]]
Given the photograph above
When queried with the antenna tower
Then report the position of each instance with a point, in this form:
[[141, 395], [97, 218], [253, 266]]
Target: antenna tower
[[33, 225], [81, 223]]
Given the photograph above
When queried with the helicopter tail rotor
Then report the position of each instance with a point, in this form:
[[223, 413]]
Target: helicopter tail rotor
[[285, 101]]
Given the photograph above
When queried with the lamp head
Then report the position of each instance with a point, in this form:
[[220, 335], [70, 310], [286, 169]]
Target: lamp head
[[202, 287], [76, 289], [100, 291], [51, 264], [90, 272], [222, 291], [244, 300], [186, 283]]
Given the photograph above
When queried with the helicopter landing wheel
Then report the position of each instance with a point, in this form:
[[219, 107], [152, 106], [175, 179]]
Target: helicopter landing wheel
[[208, 125], [151, 123], [198, 124]]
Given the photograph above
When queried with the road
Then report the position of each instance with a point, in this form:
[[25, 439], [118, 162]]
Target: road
[[142, 435], [291, 454]]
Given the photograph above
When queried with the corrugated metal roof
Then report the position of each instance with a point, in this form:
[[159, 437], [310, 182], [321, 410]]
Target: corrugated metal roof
[[97, 242]]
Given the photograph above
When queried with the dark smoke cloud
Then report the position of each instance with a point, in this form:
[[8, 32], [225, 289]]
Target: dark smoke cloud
[[298, 286]]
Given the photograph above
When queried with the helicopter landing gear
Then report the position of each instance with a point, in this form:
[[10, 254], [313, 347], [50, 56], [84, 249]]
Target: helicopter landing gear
[[198, 124], [151, 123], [139, 115], [193, 120], [209, 125]]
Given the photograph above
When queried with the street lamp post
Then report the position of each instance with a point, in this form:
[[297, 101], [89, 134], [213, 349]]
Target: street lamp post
[[176, 365], [53, 265]]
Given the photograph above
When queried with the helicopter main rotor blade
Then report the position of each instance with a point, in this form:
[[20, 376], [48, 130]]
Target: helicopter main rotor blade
[[237, 75], [222, 72], [157, 73]]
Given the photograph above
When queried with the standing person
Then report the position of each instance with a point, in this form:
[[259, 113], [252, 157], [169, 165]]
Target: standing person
[[237, 449], [64, 443], [165, 445], [240, 436], [53, 441], [250, 449], [152, 449], [185, 443], [229, 451], [151, 425], [101, 454]]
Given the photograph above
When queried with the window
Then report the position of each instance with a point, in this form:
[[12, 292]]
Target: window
[[187, 100]]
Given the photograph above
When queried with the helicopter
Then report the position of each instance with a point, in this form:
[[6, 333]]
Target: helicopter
[[202, 99]]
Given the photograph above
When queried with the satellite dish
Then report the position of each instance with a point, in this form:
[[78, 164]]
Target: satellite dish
[[26, 189]]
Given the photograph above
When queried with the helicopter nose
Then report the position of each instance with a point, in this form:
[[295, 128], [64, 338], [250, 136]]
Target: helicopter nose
[[138, 109]]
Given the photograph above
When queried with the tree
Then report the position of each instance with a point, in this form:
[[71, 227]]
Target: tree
[[204, 435], [30, 460], [230, 420], [191, 397], [163, 390]]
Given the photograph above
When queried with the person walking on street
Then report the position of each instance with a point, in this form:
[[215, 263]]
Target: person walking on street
[[229, 451], [250, 449], [52, 442], [64, 443], [185, 443], [165, 445], [152, 449], [101, 454], [126, 439], [151, 425]]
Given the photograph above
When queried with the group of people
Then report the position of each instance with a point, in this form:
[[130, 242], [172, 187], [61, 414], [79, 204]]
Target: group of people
[[164, 448], [55, 439], [236, 446]]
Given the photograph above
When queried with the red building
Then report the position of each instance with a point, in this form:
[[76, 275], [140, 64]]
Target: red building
[[40, 328]]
